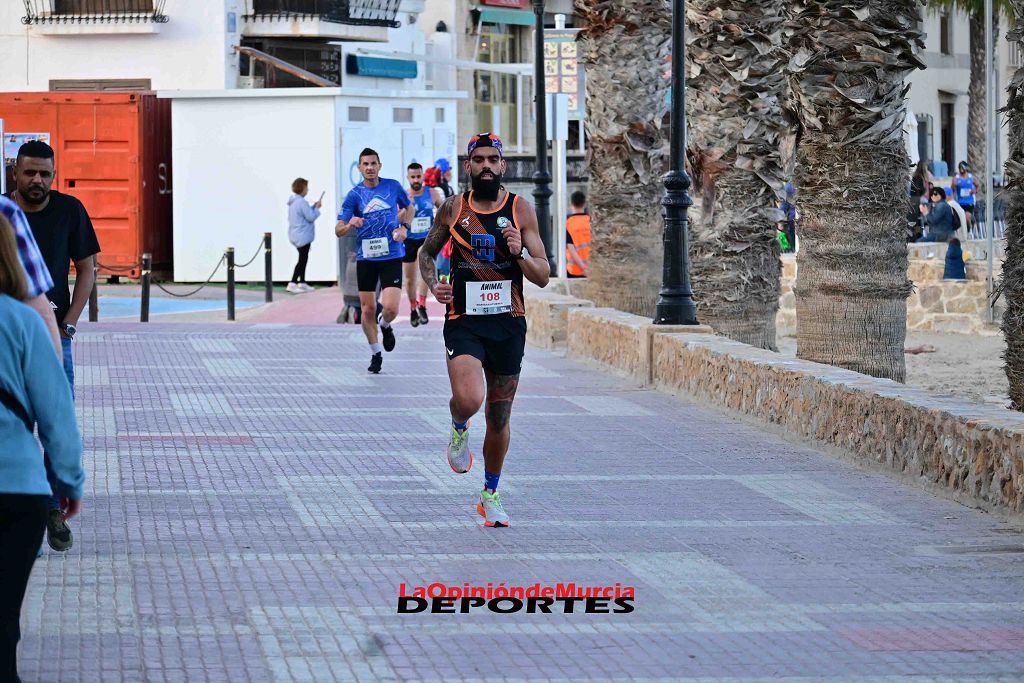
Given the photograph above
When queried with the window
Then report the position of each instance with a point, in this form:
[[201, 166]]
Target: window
[[402, 114], [359, 114], [439, 115], [497, 94], [316, 57], [945, 34], [113, 84]]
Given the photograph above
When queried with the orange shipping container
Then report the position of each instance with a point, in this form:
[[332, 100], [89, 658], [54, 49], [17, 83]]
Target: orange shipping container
[[113, 152]]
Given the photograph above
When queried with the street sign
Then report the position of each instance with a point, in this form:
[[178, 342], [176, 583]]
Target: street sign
[[563, 71]]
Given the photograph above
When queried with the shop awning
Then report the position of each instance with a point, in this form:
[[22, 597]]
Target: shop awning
[[504, 15]]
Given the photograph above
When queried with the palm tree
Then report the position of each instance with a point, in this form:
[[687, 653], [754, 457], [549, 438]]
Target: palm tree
[[736, 86], [976, 89], [1013, 261], [624, 45], [849, 61]]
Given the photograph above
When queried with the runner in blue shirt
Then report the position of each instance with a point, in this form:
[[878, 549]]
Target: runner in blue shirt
[[424, 200], [380, 211], [964, 191]]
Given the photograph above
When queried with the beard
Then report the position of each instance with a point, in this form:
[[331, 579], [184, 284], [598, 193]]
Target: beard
[[486, 188], [416, 187], [38, 195]]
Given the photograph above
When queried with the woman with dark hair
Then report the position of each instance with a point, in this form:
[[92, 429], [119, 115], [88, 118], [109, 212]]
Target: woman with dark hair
[[301, 231], [34, 394], [921, 182], [938, 217]]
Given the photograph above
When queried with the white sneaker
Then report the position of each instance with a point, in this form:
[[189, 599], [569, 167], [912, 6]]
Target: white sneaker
[[491, 510], [293, 287], [306, 287], [459, 457]]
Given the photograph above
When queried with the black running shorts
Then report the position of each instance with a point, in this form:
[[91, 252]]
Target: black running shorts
[[412, 248], [498, 343], [389, 273]]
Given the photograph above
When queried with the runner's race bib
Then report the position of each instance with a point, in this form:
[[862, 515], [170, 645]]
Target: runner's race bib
[[378, 246], [421, 224], [964, 192], [489, 298]]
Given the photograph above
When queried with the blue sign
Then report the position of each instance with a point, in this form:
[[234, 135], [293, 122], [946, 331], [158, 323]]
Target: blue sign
[[380, 67]]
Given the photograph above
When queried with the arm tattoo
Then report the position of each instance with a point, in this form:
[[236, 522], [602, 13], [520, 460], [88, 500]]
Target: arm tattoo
[[434, 243]]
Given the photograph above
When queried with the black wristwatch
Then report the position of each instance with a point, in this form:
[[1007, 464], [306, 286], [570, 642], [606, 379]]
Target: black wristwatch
[[69, 330], [404, 225]]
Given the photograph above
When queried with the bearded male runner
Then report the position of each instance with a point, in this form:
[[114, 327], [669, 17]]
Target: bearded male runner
[[495, 242]]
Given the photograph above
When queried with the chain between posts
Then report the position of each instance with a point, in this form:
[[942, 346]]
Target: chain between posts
[[197, 289]]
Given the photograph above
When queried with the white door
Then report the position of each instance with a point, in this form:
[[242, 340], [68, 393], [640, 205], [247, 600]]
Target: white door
[[443, 144], [412, 148]]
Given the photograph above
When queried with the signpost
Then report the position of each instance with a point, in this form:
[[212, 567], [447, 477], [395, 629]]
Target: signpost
[[558, 133], [563, 80]]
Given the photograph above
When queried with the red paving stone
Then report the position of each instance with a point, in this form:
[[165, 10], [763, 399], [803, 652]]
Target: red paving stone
[[322, 308]]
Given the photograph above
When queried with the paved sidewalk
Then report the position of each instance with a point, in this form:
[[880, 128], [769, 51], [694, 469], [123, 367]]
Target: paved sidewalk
[[255, 499]]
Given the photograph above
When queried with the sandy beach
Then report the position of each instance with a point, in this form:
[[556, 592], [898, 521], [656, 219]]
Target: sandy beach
[[967, 366]]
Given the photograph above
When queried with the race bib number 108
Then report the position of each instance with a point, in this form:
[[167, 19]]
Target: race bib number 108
[[489, 298]]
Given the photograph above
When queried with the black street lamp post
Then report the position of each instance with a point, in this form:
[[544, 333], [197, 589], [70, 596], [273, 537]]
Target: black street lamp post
[[541, 177], [675, 300]]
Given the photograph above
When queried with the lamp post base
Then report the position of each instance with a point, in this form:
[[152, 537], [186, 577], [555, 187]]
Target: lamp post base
[[675, 309]]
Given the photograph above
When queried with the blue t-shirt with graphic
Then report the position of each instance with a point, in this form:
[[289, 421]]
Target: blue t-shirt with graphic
[[378, 207], [424, 209], [963, 187]]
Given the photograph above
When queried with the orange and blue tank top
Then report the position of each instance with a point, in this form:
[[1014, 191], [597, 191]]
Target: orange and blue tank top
[[486, 280]]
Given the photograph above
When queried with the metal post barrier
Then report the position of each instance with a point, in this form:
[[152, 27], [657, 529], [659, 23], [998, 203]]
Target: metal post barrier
[[94, 307], [147, 265], [230, 255], [268, 276]]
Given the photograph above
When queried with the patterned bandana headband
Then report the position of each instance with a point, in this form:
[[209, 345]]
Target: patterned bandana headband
[[483, 140]]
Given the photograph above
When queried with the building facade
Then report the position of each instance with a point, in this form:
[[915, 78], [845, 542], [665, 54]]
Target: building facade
[[197, 44], [938, 98], [262, 92]]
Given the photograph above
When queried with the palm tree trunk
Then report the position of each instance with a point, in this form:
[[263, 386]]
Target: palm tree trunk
[[976, 92], [976, 96], [849, 63], [737, 127], [1013, 261], [624, 46]]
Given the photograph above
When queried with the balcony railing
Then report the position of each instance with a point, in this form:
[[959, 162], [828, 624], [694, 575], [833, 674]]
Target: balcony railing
[[356, 12], [93, 11]]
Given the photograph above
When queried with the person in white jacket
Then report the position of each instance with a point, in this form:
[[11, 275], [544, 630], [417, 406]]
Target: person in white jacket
[[301, 231]]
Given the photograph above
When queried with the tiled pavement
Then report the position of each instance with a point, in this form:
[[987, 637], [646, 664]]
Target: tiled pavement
[[255, 500]]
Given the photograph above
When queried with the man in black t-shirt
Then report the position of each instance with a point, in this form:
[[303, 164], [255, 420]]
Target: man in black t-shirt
[[64, 233]]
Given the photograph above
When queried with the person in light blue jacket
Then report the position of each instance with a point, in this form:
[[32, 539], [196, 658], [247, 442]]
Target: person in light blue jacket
[[34, 393], [301, 231]]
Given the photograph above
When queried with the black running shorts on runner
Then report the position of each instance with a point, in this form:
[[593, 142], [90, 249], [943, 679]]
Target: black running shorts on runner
[[389, 273], [498, 343], [412, 249]]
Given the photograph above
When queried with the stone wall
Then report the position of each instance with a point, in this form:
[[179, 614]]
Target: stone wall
[[974, 452], [935, 305]]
